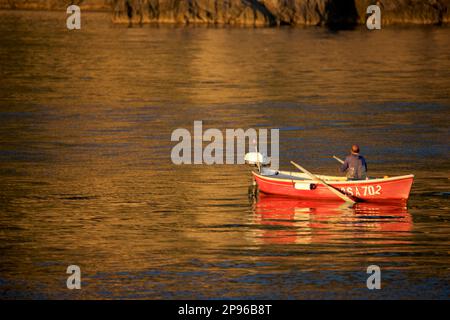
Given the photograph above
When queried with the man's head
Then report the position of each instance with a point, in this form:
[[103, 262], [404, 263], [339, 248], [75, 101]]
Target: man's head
[[355, 148]]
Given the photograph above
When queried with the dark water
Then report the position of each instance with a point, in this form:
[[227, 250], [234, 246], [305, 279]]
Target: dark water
[[86, 176]]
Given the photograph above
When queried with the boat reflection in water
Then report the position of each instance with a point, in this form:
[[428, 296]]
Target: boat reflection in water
[[284, 220]]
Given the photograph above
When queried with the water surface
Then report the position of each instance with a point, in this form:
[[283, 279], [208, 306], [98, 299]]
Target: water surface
[[86, 177]]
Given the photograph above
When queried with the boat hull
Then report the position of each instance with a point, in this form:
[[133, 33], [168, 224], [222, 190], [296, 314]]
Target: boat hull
[[394, 189]]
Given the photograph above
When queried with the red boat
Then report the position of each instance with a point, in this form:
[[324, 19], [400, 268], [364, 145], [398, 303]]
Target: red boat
[[300, 185]]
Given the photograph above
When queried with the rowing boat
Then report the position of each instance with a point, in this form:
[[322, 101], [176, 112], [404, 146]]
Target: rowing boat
[[301, 185]]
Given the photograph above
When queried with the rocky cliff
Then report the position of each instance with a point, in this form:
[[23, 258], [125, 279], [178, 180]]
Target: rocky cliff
[[256, 12], [55, 4], [280, 12]]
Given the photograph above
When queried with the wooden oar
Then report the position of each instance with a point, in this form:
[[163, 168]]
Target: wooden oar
[[332, 189], [340, 160]]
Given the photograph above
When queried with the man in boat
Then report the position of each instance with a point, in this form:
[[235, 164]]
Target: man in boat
[[355, 165]]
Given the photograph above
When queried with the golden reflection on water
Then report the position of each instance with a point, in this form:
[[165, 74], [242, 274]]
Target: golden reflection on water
[[86, 176], [295, 221]]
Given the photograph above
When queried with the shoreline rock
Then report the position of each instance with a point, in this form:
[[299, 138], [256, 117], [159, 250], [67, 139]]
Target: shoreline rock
[[258, 13], [91, 5]]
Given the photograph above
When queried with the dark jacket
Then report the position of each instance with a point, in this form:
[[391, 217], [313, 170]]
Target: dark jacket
[[355, 166]]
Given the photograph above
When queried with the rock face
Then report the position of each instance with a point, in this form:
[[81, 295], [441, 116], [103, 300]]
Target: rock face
[[414, 11], [236, 12], [55, 4], [339, 13], [279, 12]]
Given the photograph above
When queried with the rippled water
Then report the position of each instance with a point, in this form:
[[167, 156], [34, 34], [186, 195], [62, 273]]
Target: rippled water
[[86, 177]]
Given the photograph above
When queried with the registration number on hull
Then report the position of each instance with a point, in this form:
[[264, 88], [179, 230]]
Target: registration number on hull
[[363, 190]]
